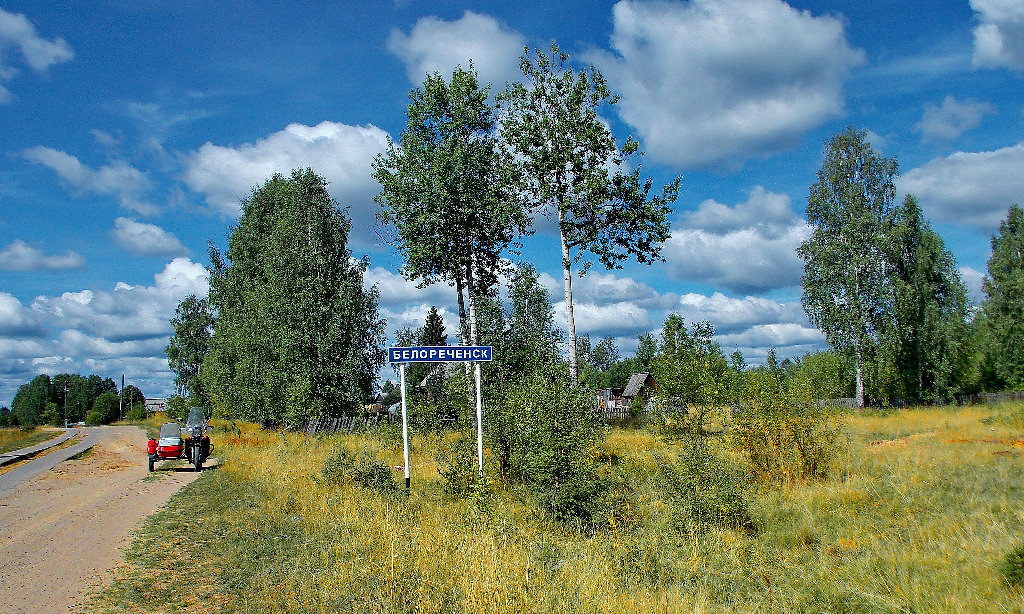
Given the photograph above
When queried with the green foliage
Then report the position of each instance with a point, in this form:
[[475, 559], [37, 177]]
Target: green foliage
[[365, 470], [177, 408], [703, 490], [446, 193], [457, 464], [691, 374], [565, 154], [785, 433], [137, 413], [193, 324], [297, 336], [544, 434], [1012, 566], [845, 290], [827, 374], [30, 400], [1003, 307], [105, 410]]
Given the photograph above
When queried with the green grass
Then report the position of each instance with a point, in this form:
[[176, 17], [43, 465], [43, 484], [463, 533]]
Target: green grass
[[15, 438], [920, 517]]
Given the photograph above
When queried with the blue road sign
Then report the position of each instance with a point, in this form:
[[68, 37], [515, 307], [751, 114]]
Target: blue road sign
[[441, 353]]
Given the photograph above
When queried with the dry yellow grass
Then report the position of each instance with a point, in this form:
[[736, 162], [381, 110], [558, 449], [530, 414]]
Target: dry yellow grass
[[926, 503]]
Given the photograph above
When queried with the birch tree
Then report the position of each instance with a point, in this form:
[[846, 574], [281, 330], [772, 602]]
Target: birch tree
[[572, 170]]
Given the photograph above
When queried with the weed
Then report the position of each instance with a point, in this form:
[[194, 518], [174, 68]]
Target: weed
[[1012, 566], [703, 491]]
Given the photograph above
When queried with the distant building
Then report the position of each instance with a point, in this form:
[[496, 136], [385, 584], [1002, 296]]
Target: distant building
[[155, 405], [615, 402]]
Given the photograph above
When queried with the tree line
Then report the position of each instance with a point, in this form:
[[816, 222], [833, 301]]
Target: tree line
[[71, 398]]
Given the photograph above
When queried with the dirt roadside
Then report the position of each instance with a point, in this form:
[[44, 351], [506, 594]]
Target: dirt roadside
[[63, 531]]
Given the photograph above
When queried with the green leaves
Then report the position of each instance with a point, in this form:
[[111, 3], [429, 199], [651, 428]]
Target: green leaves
[[1003, 308], [297, 336]]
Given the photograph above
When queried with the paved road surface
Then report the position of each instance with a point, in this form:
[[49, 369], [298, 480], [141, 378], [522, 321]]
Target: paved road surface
[[64, 525]]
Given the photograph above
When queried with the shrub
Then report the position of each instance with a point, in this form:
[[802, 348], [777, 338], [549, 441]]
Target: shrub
[[703, 490], [786, 435], [137, 413], [366, 470], [545, 434], [1012, 566]]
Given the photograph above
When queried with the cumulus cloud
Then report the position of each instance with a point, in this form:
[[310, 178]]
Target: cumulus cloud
[[118, 178], [435, 45], [145, 239], [122, 330], [999, 37], [38, 53], [17, 321], [735, 315], [749, 247], [970, 189], [395, 290], [620, 318], [340, 153], [20, 256], [948, 121], [127, 313], [712, 82]]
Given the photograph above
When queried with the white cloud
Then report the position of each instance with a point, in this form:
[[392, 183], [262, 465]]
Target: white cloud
[[20, 256], [999, 38], [969, 189], [115, 179], [340, 153], [395, 290], [17, 32], [618, 318], [145, 239], [750, 247], [735, 315], [953, 118], [973, 279], [127, 313], [107, 332], [17, 321], [434, 45], [711, 82]]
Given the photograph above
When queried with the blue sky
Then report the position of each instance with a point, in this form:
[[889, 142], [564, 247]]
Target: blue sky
[[130, 131]]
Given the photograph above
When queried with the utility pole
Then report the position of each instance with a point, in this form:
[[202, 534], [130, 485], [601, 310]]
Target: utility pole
[[65, 405], [120, 401]]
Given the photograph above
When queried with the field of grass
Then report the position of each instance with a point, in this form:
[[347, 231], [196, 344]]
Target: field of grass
[[16, 438], [921, 510]]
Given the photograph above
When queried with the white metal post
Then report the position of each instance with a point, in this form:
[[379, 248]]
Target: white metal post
[[405, 427], [479, 424]]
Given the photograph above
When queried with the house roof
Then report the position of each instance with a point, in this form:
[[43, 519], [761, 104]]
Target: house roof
[[636, 383]]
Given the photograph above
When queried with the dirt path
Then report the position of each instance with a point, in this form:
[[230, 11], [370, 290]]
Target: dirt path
[[64, 530]]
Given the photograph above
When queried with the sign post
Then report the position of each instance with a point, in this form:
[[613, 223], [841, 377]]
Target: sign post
[[443, 353]]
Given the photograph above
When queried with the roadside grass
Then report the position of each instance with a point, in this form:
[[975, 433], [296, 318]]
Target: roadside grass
[[920, 515], [16, 438]]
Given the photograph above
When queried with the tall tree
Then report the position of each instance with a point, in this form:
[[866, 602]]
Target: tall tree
[[297, 336], [193, 324], [845, 293], [923, 347], [29, 403], [566, 155], [444, 191], [433, 329], [1003, 307]]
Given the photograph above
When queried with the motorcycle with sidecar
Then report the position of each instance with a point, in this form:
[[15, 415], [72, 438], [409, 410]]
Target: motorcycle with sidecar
[[189, 442]]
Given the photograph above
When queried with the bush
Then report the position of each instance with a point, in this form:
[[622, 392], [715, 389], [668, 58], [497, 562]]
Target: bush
[[703, 490], [136, 413], [545, 434], [1012, 566], [104, 410], [786, 435], [366, 470]]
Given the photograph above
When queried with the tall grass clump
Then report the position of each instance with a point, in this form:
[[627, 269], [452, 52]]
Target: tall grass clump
[[1012, 566], [364, 469], [785, 434], [703, 490]]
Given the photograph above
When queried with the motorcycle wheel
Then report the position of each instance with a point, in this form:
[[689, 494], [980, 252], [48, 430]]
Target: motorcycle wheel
[[197, 457]]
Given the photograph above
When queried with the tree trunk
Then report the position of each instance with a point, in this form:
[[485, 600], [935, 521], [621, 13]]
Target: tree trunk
[[860, 378], [570, 320]]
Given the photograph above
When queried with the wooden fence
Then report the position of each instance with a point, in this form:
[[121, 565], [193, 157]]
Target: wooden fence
[[349, 423]]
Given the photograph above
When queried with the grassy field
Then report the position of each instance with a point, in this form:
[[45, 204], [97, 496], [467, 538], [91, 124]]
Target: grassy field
[[16, 438], [923, 507]]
